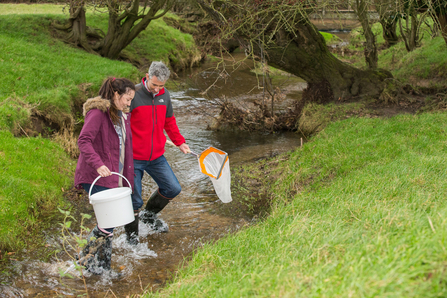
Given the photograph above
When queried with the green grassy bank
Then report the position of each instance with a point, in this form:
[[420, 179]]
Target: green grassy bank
[[366, 217], [44, 78], [423, 71], [35, 173], [359, 210], [424, 68], [42, 75]]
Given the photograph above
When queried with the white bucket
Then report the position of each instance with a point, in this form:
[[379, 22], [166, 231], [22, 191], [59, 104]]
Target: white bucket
[[113, 207]]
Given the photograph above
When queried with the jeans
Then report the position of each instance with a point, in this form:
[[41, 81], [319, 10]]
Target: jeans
[[95, 189], [161, 172]]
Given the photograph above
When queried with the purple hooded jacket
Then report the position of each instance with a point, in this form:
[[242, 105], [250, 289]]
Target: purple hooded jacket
[[99, 145]]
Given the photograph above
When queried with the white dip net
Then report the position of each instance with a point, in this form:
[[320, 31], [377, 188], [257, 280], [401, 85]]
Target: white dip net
[[216, 164]]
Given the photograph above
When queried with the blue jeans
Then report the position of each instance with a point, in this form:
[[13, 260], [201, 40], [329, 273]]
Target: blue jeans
[[161, 172], [95, 189]]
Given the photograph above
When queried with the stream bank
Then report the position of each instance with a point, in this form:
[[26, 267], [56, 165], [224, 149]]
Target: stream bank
[[196, 217], [200, 217]]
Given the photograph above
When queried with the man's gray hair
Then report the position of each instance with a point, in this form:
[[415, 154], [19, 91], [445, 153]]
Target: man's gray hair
[[159, 70]]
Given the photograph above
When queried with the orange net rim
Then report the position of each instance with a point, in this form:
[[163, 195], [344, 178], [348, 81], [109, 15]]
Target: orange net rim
[[204, 154]]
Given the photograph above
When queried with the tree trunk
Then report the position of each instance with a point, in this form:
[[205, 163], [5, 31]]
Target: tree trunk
[[124, 27], [78, 32], [443, 24], [414, 30], [307, 56], [441, 16], [77, 28], [410, 34], [300, 49], [371, 56], [387, 11], [389, 31]]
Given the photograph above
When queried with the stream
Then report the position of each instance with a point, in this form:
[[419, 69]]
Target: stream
[[193, 216]]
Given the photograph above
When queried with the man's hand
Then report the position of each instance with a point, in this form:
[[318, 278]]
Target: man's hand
[[184, 148], [103, 171]]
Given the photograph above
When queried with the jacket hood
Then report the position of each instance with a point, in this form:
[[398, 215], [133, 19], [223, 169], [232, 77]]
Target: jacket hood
[[98, 103]]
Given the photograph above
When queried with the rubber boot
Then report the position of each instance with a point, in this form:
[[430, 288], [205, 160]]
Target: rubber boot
[[155, 204], [132, 231], [96, 256]]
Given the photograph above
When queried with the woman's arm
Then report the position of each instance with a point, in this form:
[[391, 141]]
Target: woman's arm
[[91, 128]]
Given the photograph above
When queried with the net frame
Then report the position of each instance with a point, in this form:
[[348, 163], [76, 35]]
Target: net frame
[[205, 158], [221, 186]]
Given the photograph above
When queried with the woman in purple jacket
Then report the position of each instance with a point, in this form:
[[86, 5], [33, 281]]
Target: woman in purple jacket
[[105, 143]]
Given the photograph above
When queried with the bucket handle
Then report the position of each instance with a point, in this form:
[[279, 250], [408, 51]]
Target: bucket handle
[[90, 191]]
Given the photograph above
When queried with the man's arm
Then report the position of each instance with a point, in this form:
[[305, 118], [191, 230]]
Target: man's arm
[[173, 131]]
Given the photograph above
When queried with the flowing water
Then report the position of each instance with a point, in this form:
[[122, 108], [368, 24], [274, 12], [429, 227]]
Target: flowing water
[[193, 216]]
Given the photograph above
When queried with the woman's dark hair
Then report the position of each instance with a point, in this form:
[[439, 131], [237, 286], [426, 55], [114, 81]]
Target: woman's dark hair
[[108, 89]]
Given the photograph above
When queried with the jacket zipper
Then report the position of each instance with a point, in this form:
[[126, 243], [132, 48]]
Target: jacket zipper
[[153, 129], [110, 154]]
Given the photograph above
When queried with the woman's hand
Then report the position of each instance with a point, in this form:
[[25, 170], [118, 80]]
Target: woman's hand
[[103, 171]]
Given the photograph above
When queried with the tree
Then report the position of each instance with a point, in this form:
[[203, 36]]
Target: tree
[[76, 26], [388, 18], [371, 55], [440, 11], [292, 43], [126, 20], [411, 32]]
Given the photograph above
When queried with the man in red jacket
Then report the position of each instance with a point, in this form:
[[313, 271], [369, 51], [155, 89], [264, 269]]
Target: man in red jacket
[[151, 115]]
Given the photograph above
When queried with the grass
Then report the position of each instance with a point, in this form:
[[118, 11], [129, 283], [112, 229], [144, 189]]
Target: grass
[[45, 73], [424, 67], [11, 8], [159, 42], [360, 209], [50, 77], [315, 117], [365, 217], [428, 62], [46, 78], [35, 173]]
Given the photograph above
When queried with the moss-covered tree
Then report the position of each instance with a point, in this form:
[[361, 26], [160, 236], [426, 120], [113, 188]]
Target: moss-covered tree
[[283, 31], [440, 11], [127, 19], [361, 8], [388, 18], [75, 27]]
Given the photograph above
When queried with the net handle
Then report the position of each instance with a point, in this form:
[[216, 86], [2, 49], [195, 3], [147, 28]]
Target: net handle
[[172, 144]]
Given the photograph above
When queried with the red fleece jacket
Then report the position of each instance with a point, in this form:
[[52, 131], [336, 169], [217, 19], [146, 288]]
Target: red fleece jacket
[[151, 116]]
